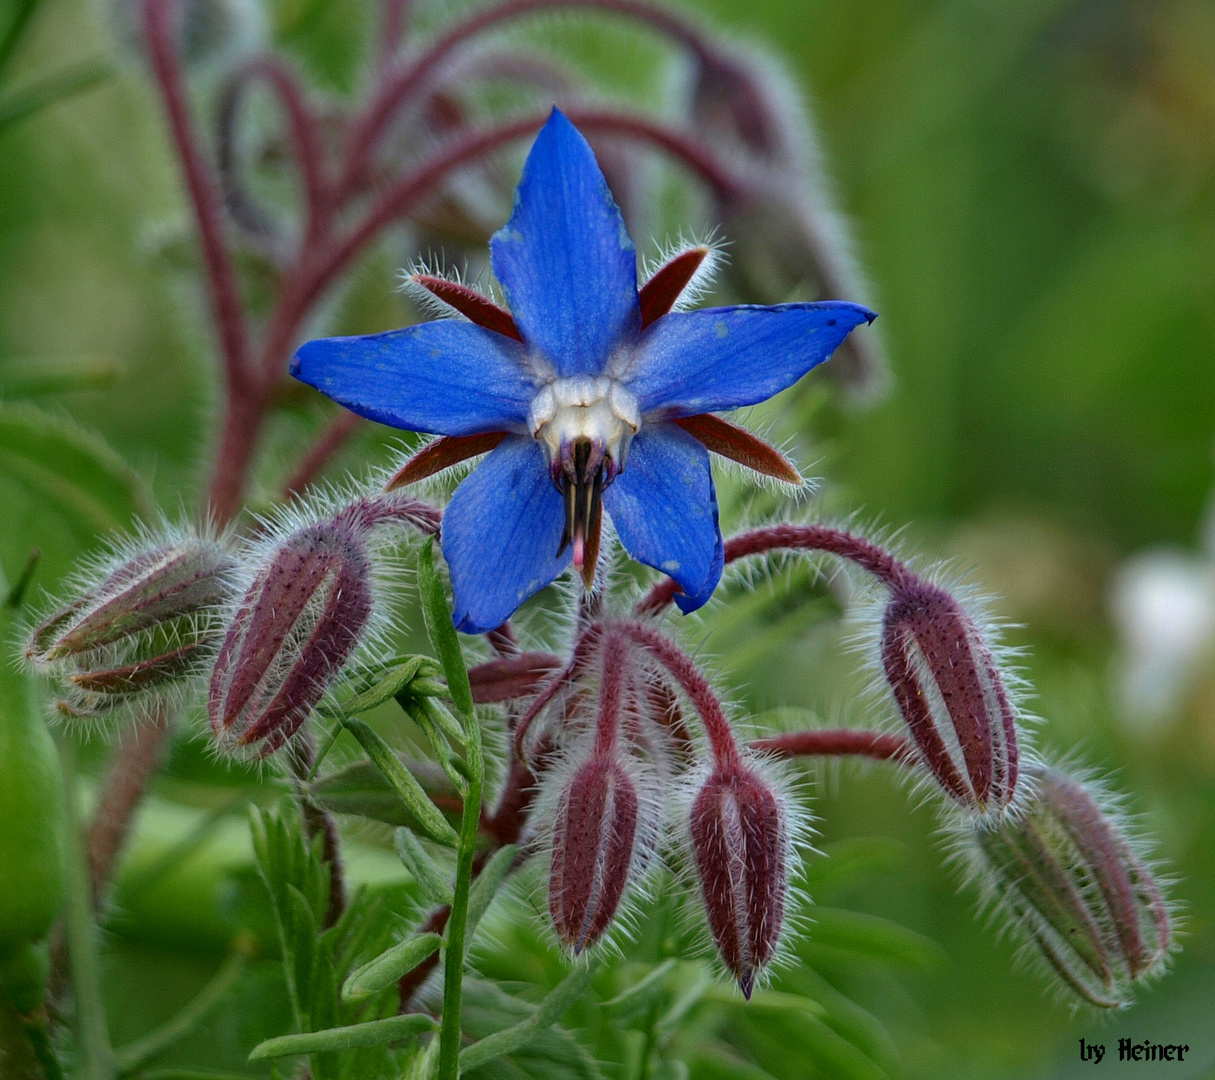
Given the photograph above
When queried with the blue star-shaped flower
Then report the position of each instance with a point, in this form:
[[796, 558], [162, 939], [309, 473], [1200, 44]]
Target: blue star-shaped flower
[[589, 395]]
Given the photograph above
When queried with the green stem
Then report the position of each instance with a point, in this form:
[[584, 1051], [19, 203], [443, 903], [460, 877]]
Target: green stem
[[453, 957], [137, 1054], [95, 1058]]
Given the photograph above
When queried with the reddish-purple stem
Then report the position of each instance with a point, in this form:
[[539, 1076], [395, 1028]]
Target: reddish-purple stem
[[394, 19], [612, 677], [221, 274], [583, 649], [399, 86], [865, 553], [837, 742], [684, 671], [305, 140]]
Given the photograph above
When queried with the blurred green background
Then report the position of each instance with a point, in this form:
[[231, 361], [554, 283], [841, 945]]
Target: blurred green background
[[1032, 190]]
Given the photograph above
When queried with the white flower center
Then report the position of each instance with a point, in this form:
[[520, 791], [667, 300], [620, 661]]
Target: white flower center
[[585, 408]]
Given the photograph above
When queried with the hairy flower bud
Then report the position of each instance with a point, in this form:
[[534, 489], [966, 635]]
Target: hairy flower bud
[[1073, 882], [297, 626], [740, 843], [594, 841], [951, 695], [143, 627]]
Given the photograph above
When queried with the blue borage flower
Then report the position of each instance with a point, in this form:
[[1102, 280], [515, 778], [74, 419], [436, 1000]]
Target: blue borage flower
[[589, 394]]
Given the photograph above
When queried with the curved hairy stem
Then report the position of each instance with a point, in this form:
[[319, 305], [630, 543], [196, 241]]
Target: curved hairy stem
[[825, 538]]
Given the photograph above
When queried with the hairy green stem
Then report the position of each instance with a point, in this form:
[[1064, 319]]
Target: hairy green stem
[[453, 956]]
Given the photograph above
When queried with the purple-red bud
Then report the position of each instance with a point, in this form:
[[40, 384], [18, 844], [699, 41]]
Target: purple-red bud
[[158, 588], [594, 840], [1074, 884], [951, 695], [741, 844], [143, 628], [292, 634]]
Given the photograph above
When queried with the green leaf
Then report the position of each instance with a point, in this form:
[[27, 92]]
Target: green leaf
[[483, 890], [871, 935], [641, 995], [514, 1038], [355, 1036], [31, 376], [389, 966], [437, 614], [387, 686], [76, 472], [431, 881], [28, 100], [360, 788], [403, 782]]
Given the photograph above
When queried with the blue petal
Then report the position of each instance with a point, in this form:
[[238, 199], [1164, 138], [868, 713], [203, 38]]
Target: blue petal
[[664, 508], [501, 534], [447, 377], [723, 358], [565, 259]]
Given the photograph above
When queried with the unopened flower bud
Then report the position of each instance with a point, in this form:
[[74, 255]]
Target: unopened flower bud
[[144, 627], [1073, 882], [594, 843], [294, 631], [740, 843], [951, 695], [164, 588]]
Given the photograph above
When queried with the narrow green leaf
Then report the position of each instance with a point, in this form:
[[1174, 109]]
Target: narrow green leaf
[[515, 1038], [871, 935], [76, 472], [431, 881], [442, 632], [360, 788], [404, 784], [31, 376], [156, 1042], [354, 1037], [452, 767], [638, 997], [440, 716], [388, 686], [486, 886], [30, 99], [389, 966], [21, 12]]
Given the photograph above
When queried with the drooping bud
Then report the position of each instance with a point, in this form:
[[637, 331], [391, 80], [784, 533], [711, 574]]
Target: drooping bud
[[593, 850], [741, 846], [162, 587], [143, 627], [1075, 885], [951, 695], [297, 626]]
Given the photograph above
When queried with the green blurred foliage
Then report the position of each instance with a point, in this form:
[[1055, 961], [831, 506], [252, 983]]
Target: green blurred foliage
[[1032, 187]]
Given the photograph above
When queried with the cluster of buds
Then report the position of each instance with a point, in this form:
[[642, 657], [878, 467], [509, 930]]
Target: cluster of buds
[[139, 627], [950, 694], [1074, 885], [308, 603], [274, 620], [607, 817]]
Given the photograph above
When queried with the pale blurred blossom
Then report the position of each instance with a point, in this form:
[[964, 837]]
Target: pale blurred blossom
[[1163, 604]]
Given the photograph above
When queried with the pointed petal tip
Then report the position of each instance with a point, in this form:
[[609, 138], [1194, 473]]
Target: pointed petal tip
[[746, 983]]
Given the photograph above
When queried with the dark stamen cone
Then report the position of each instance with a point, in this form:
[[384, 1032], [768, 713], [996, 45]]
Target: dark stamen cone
[[295, 630], [1075, 887], [741, 849], [593, 842], [951, 696]]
